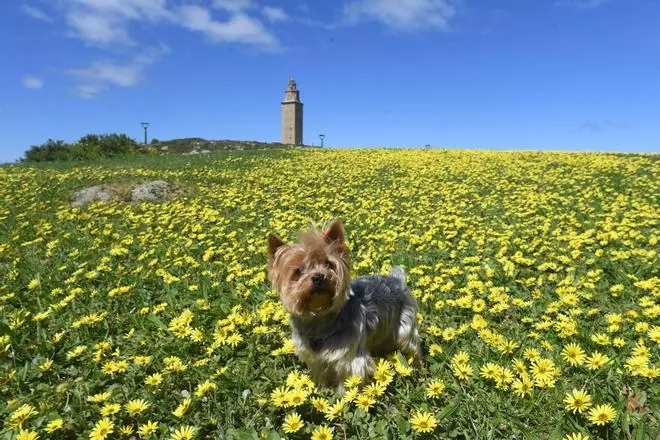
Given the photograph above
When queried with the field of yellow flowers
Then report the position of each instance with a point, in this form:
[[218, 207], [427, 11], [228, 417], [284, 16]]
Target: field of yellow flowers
[[537, 276]]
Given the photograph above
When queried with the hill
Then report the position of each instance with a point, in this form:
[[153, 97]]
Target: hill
[[200, 145]]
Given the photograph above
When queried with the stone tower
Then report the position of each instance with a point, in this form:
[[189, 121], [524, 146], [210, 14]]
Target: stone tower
[[292, 116]]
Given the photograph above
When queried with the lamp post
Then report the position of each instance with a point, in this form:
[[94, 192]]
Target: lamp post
[[322, 136], [145, 125]]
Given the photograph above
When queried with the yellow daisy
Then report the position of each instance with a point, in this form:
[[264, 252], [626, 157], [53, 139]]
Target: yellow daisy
[[577, 401], [435, 388], [423, 421], [602, 414], [292, 423], [322, 432]]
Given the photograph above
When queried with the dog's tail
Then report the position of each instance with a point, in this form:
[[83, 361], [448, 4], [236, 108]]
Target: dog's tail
[[398, 273]]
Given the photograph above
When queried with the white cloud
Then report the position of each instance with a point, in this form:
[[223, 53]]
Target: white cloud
[[403, 14], [581, 4], [239, 28], [136, 9], [106, 22], [90, 91], [233, 5], [97, 29], [273, 13], [103, 75], [36, 13], [602, 126], [111, 25], [32, 82]]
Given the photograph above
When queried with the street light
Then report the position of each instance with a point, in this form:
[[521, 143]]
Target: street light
[[145, 125], [322, 136]]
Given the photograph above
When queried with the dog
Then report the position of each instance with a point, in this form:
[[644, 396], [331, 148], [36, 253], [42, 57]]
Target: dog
[[339, 324]]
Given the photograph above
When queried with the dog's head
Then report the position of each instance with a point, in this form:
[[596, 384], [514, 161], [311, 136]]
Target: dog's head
[[312, 276]]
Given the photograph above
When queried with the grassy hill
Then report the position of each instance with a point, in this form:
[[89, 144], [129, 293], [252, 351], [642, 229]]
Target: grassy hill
[[200, 145], [536, 276]]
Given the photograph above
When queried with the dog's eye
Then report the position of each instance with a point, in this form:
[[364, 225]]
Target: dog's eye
[[297, 273], [329, 265]]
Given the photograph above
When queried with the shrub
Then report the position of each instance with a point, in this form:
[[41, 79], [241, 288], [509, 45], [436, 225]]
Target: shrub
[[89, 147]]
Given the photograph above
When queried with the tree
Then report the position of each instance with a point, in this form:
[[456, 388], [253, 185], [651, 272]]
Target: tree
[[50, 150]]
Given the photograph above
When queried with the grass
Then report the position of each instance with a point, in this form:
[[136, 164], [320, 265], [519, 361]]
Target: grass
[[120, 319]]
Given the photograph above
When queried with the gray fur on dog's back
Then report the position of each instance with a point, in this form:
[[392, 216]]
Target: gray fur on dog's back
[[387, 301], [378, 318]]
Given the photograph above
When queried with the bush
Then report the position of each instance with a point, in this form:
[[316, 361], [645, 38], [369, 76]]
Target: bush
[[89, 147], [110, 145], [50, 150]]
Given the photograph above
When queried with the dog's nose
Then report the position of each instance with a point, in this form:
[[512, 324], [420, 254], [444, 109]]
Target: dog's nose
[[318, 279]]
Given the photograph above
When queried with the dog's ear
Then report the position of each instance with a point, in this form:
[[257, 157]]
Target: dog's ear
[[274, 243], [335, 232]]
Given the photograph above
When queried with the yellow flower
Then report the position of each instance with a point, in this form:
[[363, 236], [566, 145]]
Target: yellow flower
[[352, 381], [575, 436], [293, 378], [543, 370], [126, 430], [296, 397], [434, 349], [320, 404], [102, 429], [204, 388], [423, 421], [448, 334], [573, 354], [154, 380], [364, 401], [147, 428], [110, 408], [435, 388], [351, 394], [54, 425], [21, 414], [182, 408], [462, 371], [234, 339], [519, 366], [602, 414], [523, 386], [184, 433], [322, 432], [334, 410], [531, 354], [45, 366], [280, 396], [375, 389], [577, 401], [489, 370], [654, 334], [597, 360], [27, 435], [136, 406], [461, 358], [292, 423]]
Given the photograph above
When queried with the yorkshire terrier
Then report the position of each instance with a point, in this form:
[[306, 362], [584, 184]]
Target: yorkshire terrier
[[338, 324]]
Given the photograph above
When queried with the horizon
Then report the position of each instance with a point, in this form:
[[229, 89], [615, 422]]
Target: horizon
[[559, 75], [366, 147]]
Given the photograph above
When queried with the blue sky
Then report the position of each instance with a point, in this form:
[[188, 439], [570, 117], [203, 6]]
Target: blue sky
[[501, 74]]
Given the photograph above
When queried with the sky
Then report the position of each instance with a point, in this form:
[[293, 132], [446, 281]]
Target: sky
[[477, 74]]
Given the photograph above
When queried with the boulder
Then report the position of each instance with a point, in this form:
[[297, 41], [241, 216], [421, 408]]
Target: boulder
[[153, 191], [89, 195]]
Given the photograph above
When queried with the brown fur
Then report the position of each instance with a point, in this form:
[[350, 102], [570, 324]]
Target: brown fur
[[292, 268]]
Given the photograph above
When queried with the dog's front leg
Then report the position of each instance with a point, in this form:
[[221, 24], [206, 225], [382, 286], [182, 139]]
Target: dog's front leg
[[361, 364]]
